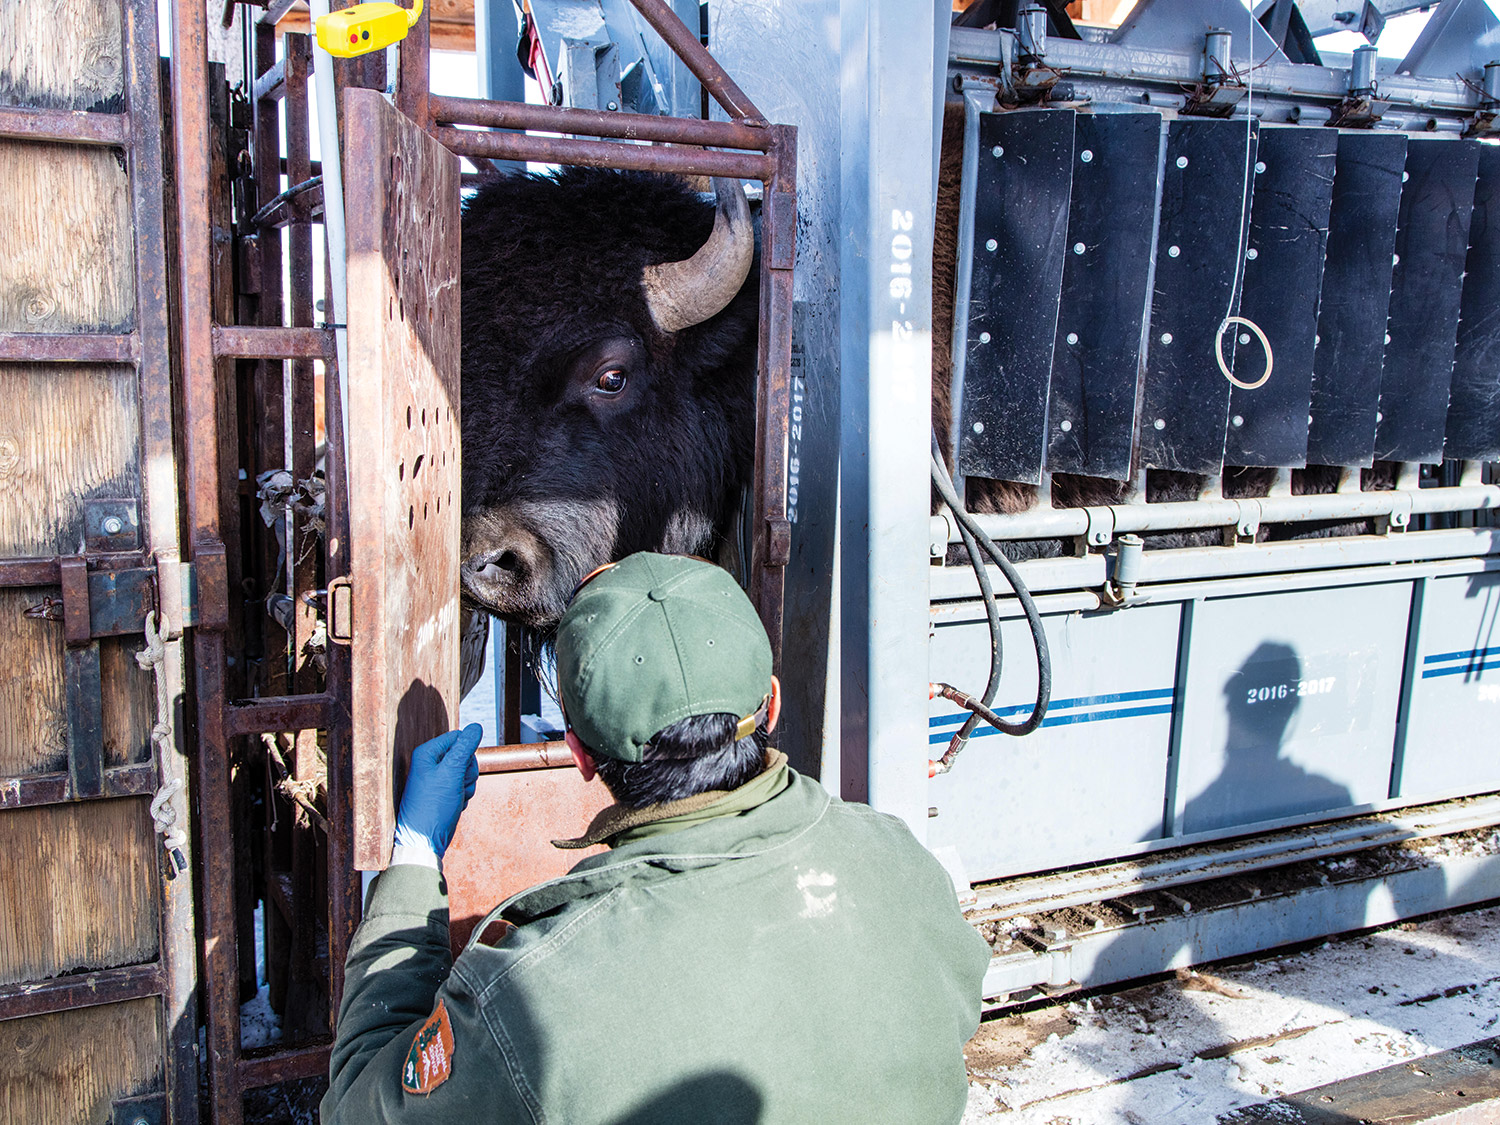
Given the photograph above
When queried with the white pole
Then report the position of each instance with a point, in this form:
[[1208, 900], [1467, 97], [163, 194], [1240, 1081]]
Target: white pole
[[333, 213]]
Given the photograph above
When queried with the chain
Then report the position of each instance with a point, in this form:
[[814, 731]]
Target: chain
[[163, 812]]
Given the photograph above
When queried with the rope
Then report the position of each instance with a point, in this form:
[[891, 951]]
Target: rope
[[163, 812]]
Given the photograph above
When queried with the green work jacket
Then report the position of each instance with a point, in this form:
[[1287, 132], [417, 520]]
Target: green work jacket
[[804, 960]]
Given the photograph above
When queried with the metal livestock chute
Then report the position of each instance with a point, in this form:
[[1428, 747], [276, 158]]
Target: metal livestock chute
[[1250, 292]]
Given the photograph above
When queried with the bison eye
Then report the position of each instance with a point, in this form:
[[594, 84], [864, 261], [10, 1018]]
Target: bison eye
[[610, 382]]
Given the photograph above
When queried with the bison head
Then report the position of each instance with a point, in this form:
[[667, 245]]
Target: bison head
[[609, 345]]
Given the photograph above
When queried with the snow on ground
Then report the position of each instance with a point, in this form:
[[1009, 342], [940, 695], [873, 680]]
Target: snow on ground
[[1183, 1051]]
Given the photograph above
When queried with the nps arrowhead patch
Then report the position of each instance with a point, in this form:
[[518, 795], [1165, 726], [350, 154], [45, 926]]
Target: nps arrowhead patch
[[430, 1060]]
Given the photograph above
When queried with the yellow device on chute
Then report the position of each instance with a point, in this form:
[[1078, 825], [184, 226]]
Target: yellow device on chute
[[366, 27]]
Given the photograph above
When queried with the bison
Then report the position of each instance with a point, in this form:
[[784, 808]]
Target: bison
[[608, 378]]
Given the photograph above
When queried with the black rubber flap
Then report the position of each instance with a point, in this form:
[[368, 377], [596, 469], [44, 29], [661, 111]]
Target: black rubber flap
[[1279, 296], [1204, 220], [1432, 242], [1474, 405], [1096, 364], [1020, 237], [1355, 298]]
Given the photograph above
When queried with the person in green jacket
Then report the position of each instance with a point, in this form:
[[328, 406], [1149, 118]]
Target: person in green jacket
[[749, 950]]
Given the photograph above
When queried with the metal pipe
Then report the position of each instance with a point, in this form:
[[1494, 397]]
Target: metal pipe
[[326, 100], [1491, 83], [1217, 43], [1032, 28], [1127, 566], [1061, 523], [594, 123], [525, 756], [605, 154], [950, 583], [1362, 71], [702, 65], [1037, 893]]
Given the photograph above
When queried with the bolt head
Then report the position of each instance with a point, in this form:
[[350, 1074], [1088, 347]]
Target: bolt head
[[991, 245], [984, 337], [1066, 426], [1260, 166], [614, 105], [1182, 162], [1079, 248], [1166, 337], [998, 151], [1244, 337], [1086, 155], [1072, 337], [1173, 251], [1237, 421], [1252, 253], [1160, 423], [113, 525]]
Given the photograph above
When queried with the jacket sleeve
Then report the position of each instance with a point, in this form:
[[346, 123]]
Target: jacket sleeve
[[395, 977]]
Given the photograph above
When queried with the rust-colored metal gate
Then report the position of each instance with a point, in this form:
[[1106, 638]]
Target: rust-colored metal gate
[[155, 362]]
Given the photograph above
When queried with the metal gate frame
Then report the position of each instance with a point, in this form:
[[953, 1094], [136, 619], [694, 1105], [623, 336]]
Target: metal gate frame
[[759, 151]]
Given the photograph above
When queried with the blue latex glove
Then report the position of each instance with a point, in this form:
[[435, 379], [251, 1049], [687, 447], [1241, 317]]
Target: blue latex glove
[[441, 781]]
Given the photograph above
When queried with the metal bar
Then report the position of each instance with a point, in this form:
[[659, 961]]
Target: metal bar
[[1036, 893], [770, 547], [278, 713], [45, 572], [604, 154], [275, 11], [81, 990], [270, 86], [272, 343], [73, 347], [1050, 523], [202, 472], [285, 1066], [344, 882], [1092, 959], [694, 55], [415, 75], [525, 756], [85, 710], [64, 125], [1112, 63], [55, 788], [593, 123]]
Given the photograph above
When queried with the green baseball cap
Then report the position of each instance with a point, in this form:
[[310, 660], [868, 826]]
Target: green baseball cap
[[653, 640]]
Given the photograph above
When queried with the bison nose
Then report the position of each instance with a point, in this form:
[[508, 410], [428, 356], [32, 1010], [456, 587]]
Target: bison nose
[[493, 567]]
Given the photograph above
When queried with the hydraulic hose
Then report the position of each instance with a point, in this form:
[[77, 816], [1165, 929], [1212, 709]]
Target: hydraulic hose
[[976, 541]]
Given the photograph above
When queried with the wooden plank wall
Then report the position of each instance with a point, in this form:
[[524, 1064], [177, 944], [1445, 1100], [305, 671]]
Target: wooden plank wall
[[79, 882], [69, 1067]]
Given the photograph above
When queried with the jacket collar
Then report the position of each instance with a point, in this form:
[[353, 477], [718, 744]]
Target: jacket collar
[[630, 824]]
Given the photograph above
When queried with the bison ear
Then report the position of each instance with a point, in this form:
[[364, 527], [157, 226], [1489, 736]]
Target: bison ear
[[682, 294]]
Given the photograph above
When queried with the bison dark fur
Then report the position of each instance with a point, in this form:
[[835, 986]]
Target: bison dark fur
[[588, 432]]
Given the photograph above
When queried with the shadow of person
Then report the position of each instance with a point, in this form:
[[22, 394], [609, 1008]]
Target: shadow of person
[[1257, 781], [716, 1097]]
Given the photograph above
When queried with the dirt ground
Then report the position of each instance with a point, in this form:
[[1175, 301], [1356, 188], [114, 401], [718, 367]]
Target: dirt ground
[[1185, 1050]]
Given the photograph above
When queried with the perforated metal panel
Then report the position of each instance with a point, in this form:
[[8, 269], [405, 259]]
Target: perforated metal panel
[[403, 451]]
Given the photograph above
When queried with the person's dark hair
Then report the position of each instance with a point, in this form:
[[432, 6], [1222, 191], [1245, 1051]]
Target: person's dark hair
[[693, 755]]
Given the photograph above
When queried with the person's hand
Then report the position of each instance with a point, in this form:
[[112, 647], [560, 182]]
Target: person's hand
[[441, 781]]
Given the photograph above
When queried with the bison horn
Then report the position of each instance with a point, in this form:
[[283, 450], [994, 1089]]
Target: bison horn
[[682, 294]]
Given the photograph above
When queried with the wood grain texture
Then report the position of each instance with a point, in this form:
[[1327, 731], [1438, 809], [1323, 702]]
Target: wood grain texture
[[77, 889], [67, 1068], [69, 262], [68, 433], [404, 464], [33, 723], [33, 729], [62, 54]]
